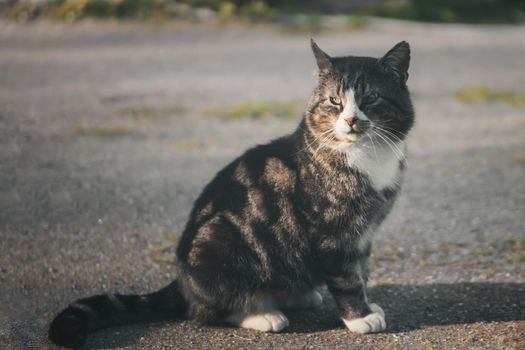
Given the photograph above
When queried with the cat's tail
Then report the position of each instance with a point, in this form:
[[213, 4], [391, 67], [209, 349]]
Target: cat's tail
[[71, 326]]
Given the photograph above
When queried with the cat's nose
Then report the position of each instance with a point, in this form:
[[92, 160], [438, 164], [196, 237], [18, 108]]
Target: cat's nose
[[351, 120]]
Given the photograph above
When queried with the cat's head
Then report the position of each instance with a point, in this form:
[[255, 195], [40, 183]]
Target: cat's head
[[358, 98]]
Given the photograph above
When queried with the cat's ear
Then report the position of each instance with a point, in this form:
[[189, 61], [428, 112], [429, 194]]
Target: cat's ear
[[398, 59], [323, 60]]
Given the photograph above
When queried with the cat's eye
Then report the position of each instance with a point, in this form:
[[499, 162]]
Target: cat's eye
[[335, 100], [371, 98]]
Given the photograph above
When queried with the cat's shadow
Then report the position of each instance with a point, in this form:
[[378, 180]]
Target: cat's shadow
[[407, 307]]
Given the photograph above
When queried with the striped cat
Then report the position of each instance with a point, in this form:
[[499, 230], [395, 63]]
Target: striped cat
[[286, 217]]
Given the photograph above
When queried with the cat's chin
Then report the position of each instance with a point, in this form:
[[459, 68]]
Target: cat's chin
[[343, 146], [346, 139]]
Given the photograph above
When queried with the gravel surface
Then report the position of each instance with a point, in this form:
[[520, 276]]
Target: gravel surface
[[106, 138]]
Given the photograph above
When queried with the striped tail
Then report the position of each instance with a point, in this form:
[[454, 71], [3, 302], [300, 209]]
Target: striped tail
[[71, 326]]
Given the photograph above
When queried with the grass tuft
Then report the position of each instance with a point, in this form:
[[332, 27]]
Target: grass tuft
[[520, 258], [147, 113], [483, 252], [478, 94], [315, 23], [257, 110], [189, 144], [103, 131], [127, 121], [161, 253], [450, 246]]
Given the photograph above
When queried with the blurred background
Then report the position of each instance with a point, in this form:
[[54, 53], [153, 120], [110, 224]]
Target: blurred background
[[114, 115], [447, 11]]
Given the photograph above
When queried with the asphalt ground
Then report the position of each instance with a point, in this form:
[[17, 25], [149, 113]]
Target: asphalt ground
[[109, 131]]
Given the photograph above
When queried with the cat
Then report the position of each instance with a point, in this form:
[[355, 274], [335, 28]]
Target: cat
[[286, 217]]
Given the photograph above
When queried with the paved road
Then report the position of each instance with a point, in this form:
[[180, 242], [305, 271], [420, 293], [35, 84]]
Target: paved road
[[105, 142]]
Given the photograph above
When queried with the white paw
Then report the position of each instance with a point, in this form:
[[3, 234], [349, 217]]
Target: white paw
[[377, 309], [375, 322], [273, 321]]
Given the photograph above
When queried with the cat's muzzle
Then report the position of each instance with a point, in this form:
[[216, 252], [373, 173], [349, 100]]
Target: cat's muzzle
[[359, 126]]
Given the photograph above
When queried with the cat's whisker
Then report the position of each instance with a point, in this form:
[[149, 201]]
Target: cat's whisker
[[323, 144], [316, 139], [393, 140], [384, 127], [323, 140], [373, 145], [397, 152], [397, 138], [392, 137]]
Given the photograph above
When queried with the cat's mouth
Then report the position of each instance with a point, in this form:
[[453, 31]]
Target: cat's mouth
[[350, 130], [350, 136]]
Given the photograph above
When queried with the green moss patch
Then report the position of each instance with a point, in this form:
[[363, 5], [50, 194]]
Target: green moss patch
[[190, 144], [479, 94], [162, 252], [514, 250], [257, 110], [149, 113], [483, 252], [104, 131], [127, 121]]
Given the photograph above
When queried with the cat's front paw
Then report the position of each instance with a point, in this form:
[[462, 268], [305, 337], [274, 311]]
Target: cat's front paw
[[374, 322]]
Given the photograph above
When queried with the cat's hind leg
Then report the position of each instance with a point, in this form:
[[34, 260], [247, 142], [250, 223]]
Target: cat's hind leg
[[268, 321]]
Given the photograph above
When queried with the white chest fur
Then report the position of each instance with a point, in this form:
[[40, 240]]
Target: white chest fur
[[379, 159], [380, 164]]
